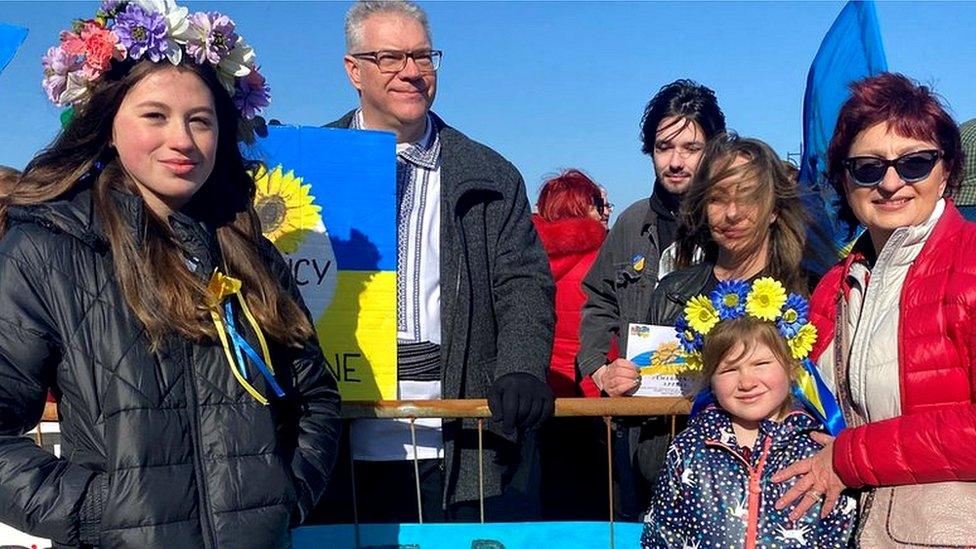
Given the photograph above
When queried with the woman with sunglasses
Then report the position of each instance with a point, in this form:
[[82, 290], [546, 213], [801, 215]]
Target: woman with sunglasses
[[896, 321]]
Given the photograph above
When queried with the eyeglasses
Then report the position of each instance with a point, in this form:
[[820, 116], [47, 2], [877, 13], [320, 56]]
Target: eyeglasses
[[601, 205], [393, 61], [868, 171]]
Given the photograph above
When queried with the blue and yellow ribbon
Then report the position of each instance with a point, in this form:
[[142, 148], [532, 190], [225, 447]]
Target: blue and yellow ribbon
[[221, 287]]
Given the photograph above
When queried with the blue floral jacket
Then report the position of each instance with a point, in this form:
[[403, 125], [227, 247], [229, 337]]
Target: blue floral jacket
[[711, 493]]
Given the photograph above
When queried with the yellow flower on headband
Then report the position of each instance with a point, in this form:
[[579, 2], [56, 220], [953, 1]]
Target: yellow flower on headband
[[766, 299], [701, 314], [802, 343]]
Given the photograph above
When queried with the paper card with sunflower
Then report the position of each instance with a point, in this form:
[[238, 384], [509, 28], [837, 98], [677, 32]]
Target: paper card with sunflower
[[327, 199], [664, 368]]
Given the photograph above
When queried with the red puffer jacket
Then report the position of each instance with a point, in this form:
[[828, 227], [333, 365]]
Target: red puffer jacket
[[572, 245], [935, 437]]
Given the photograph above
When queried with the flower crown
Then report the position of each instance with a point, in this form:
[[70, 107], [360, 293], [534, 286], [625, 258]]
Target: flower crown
[[766, 299], [155, 30]]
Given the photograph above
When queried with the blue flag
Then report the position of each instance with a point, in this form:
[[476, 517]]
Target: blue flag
[[850, 51], [11, 38]]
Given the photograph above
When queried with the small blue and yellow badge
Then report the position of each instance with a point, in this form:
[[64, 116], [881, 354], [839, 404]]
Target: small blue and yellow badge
[[637, 262]]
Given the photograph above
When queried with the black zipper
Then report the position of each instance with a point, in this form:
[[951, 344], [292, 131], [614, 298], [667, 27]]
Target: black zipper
[[209, 538]]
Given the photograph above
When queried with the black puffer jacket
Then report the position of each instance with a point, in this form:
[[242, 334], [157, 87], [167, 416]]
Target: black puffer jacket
[[159, 449]]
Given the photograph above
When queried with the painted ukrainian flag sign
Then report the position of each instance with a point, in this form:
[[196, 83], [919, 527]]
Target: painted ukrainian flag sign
[[327, 199]]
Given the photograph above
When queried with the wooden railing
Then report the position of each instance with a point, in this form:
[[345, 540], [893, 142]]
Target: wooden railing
[[606, 408]]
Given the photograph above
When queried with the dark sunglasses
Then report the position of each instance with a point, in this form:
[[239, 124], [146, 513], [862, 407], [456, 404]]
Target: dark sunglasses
[[868, 171]]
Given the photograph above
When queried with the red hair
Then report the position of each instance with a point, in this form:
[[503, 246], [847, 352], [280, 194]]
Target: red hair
[[568, 195], [909, 109]]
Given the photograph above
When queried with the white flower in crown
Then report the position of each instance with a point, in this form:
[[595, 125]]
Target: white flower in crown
[[237, 64], [177, 25]]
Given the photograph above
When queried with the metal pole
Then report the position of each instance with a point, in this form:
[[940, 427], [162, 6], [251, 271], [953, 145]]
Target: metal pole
[[416, 470], [481, 471], [606, 420]]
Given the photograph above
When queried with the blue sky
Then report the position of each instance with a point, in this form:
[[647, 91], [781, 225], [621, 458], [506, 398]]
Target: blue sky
[[550, 85]]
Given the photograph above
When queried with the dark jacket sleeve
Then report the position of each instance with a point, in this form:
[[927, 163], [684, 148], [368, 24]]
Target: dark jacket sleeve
[[320, 423], [39, 493], [600, 316], [524, 292]]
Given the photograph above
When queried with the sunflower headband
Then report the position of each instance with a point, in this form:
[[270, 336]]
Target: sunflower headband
[[132, 30], [765, 299]]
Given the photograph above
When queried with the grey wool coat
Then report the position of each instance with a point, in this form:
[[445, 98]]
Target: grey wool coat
[[497, 308]]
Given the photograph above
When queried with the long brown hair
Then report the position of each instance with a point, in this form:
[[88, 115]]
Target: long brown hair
[[151, 272], [775, 192]]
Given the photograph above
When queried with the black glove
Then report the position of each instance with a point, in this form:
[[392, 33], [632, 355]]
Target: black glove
[[520, 401]]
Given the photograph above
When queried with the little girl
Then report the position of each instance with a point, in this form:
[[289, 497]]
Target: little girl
[[762, 399]]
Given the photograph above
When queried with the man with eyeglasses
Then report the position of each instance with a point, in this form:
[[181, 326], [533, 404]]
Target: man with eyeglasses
[[474, 294], [638, 251]]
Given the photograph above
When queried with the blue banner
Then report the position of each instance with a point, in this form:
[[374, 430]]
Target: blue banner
[[851, 50], [11, 38], [500, 535]]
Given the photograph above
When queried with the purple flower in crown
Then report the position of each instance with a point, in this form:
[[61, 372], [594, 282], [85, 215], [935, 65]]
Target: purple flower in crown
[[57, 65], [212, 37], [251, 94], [142, 33], [109, 7]]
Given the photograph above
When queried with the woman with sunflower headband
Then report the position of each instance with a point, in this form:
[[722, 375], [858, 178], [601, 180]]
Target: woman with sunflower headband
[[762, 408], [135, 284]]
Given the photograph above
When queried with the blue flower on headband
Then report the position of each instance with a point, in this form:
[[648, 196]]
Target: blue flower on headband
[[729, 298], [794, 315], [691, 340]]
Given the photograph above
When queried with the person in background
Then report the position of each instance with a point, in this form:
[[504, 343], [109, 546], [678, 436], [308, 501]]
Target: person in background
[[134, 281], [895, 324], [741, 219], [677, 123], [965, 197], [605, 207], [571, 210], [474, 291]]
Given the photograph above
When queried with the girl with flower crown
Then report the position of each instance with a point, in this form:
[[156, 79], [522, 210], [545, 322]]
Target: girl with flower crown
[[135, 285], [762, 408], [740, 219]]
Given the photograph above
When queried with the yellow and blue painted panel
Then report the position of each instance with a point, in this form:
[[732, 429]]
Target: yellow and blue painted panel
[[327, 199]]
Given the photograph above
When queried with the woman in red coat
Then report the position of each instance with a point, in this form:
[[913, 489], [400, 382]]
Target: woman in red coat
[[570, 223], [896, 320]]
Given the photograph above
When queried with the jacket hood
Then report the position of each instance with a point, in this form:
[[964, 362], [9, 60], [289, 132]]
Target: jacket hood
[[569, 241], [569, 236], [74, 215]]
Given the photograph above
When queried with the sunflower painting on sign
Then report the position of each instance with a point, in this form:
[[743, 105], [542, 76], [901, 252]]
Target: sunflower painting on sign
[[326, 199], [664, 368]]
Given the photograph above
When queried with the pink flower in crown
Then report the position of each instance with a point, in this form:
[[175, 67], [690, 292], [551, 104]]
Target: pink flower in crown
[[96, 43], [58, 65]]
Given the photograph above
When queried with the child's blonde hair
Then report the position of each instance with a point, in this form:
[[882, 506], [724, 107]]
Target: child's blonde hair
[[749, 331]]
